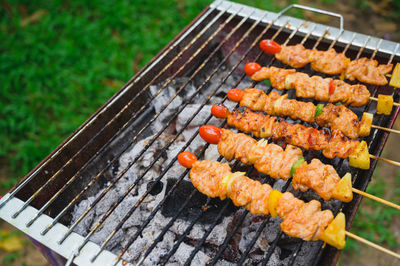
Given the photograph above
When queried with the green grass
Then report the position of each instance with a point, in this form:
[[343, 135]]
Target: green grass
[[373, 220], [61, 60]]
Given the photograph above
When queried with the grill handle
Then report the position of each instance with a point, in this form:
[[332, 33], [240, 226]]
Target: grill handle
[[314, 10]]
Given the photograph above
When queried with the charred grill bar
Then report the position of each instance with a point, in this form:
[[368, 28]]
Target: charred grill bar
[[43, 203]]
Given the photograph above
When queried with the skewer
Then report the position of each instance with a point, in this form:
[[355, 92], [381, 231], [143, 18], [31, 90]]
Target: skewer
[[384, 160], [386, 129], [369, 243], [376, 99], [383, 201]]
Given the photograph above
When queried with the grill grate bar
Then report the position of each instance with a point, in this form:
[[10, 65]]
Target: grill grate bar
[[228, 238], [271, 248], [155, 137], [253, 241], [294, 254], [363, 47], [49, 181]]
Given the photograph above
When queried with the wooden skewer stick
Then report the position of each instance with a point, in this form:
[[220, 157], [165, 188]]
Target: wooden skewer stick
[[376, 99], [386, 129], [383, 201], [384, 160], [369, 243]]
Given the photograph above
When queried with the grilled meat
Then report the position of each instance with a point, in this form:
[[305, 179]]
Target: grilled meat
[[368, 71]]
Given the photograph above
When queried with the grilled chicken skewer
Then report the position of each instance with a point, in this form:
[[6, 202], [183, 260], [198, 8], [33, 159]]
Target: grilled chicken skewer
[[337, 117], [318, 88], [278, 163], [315, 87], [302, 220], [329, 62], [299, 219]]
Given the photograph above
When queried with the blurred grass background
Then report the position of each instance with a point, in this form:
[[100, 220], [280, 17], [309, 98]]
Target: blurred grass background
[[61, 60]]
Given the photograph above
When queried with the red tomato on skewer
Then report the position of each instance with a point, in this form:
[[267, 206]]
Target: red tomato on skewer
[[270, 47], [187, 159], [210, 134], [219, 111], [235, 95], [251, 68]]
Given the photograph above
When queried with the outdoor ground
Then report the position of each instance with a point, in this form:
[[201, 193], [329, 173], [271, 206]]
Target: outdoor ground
[[60, 60]]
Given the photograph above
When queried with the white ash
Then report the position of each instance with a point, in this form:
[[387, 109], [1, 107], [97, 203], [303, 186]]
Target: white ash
[[211, 153], [216, 237]]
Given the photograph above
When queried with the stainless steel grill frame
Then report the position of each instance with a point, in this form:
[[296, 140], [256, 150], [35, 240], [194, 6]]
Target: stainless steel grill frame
[[39, 202]]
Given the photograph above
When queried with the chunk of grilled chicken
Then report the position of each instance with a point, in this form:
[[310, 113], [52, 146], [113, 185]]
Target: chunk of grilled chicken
[[300, 219], [264, 126], [315, 87], [368, 71]]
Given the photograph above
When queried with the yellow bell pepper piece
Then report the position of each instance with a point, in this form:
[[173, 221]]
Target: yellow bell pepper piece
[[273, 199], [334, 234], [365, 124], [395, 79], [343, 190], [385, 104], [228, 180], [360, 157]]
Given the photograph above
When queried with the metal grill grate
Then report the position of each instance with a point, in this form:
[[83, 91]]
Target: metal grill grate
[[43, 201]]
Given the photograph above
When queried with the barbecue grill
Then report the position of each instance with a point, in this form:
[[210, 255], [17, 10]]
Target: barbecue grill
[[113, 193]]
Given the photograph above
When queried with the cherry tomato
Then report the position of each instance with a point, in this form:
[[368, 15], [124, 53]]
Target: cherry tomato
[[211, 134], [251, 68], [332, 87], [219, 111], [187, 159], [235, 95], [270, 47]]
